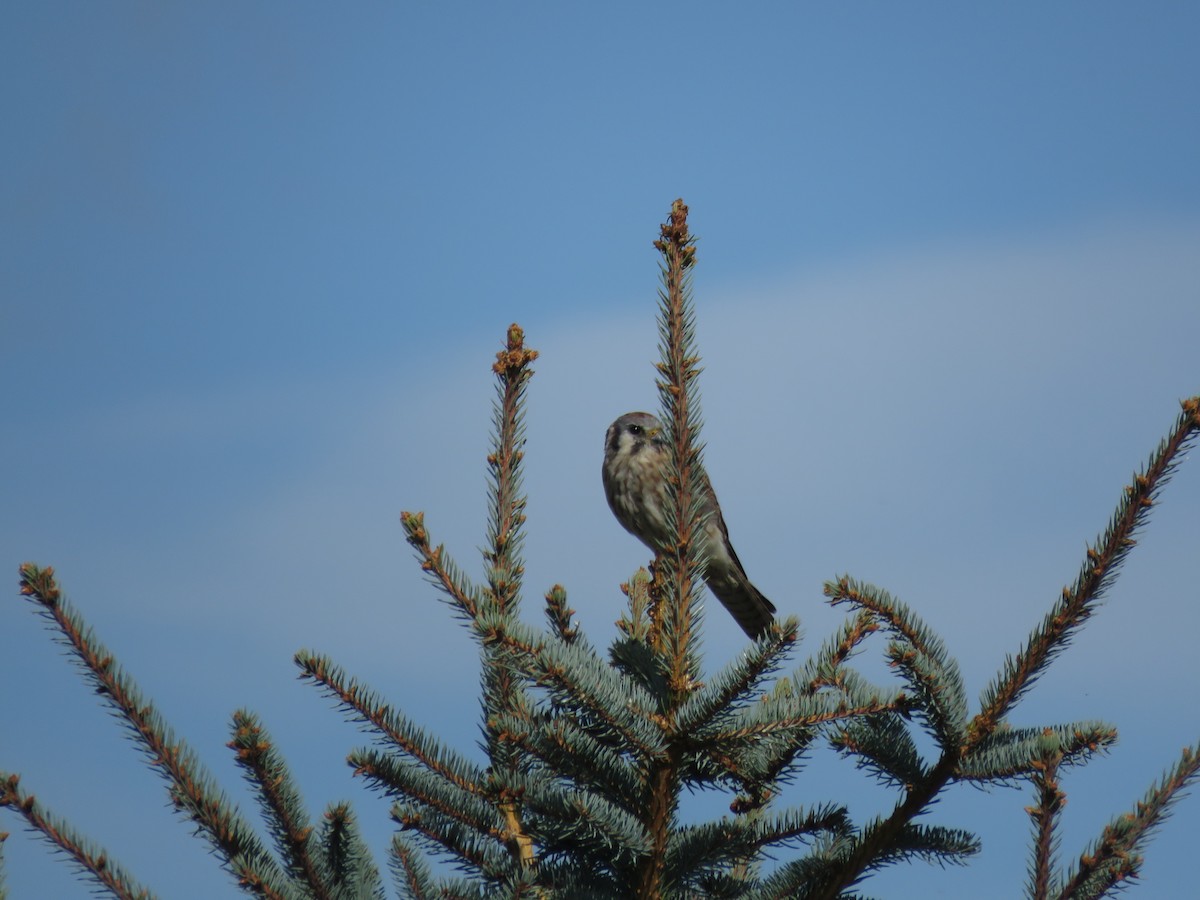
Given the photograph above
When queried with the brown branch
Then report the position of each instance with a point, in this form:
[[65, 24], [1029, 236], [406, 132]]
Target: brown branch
[[414, 874], [95, 863], [1098, 571], [792, 723], [682, 572], [432, 562], [548, 673], [381, 716], [877, 839], [512, 369], [520, 843], [381, 770], [662, 788], [559, 615], [872, 603], [211, 812], [853, 634], [1045, 815], [256, 754], [1115, 857], [675, 570], [435, 831]]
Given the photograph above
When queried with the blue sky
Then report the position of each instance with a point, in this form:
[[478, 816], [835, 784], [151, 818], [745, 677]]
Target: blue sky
[[258, 258]]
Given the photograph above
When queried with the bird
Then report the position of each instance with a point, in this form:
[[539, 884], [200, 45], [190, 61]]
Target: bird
[[636, 456]]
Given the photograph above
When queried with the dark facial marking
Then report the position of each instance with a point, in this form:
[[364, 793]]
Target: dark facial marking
[[614, 439]]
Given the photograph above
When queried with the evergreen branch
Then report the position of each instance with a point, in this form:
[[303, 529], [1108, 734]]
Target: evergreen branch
[[882, 746], [878, 841], [767, 743], [523, 884], [493, 608], [759, 762], [785, 713], [413, 879], [410, 873], [823, 874], [496, 607], [577, 678], [638, 661], [932, 843], [565, 747], [559, 615], [282, 805], [635, 654], [503, 691], [1010, 753], [404, 779], [678, 569], [827, 668], [702, 851], [736, 882], [191, 789], [897, 617], [91, 860], [757, 771], [504, 688], [436, 775], [886, 840], [662, 793], [352, 871], [579, 824], [461, 594], [636, 624], [399, 733], [731, 743], [881, 743], [1097, 573], [750, 772], [855, 690], [918, 654], [462, 889], [504, 531], [806, 876], [732, 688], [566, 878], [1045, 815], [487, 854], [1116, 858], [999, 698], [939, 702]]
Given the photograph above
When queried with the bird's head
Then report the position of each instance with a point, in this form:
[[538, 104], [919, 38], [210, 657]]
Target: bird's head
[[632, 434]]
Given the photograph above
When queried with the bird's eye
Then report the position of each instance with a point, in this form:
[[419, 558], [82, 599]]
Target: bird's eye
[[635, 429]]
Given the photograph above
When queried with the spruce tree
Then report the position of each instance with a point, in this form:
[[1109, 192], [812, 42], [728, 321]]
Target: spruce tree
[[587, 752]]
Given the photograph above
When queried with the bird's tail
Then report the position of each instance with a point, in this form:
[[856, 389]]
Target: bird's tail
[[746, 603]]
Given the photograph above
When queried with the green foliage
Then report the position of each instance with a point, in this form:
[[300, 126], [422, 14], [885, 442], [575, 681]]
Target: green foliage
[[84, 854], [333, 861], [588, 751]]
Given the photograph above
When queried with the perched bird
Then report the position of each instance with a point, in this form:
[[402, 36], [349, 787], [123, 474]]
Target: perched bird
[[635, 481]]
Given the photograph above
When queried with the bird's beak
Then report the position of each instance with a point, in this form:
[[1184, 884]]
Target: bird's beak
[[653, 433]]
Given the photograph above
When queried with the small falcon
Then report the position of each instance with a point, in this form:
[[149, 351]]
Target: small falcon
[[635, 482]]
